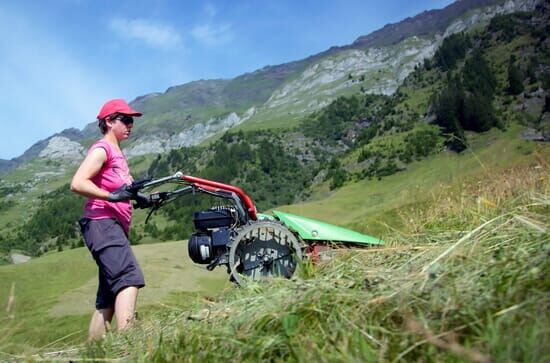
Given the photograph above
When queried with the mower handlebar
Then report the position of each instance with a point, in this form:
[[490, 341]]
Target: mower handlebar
[[196, 184], [145, 183]]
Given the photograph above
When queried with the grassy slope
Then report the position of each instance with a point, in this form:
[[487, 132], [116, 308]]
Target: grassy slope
[[67, 290], [55, 294], [376, 207], [296, 106], [466, 280], [53, 177], [372, 205]]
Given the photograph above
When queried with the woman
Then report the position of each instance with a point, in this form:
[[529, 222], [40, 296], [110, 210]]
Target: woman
[[104, 178]]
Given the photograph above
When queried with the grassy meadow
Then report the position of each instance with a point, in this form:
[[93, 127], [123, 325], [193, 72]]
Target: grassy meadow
[[463, 273], [48, 301], [466, 279], [463, 276], [375, 206]]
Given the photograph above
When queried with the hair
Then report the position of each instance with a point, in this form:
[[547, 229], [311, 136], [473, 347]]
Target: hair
[[103, 122], [102, 126]]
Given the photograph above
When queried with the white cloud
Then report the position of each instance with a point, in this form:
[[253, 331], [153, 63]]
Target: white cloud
[[210, 10], [211, 35], [153, 34]]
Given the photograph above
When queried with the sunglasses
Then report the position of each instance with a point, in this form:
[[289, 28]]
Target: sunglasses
[[126, 120]]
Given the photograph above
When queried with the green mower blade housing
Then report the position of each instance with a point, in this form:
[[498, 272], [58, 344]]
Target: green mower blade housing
[[312, 229]]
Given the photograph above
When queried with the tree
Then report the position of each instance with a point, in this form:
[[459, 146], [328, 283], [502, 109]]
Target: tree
[[367, 134], [478, 78], [451, 50], [339, 177], [478, 113], [531, 74], [448, 107], [427, 64], [506, 25], [420, 143], [332, 122], [515, 78]]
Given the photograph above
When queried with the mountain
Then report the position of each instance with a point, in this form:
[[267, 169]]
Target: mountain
[[7, 165], [321, 123], [392, 166], [278, 96], [63, 145], [424, 24]]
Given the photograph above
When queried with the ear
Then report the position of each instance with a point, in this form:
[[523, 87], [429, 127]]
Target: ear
[[109, 121]]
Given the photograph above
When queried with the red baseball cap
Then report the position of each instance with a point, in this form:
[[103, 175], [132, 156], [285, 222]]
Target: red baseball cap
[[116, 106]]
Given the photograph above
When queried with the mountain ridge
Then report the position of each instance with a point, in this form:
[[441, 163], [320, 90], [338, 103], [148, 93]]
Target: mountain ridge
[[355, 138], [427, 22], [206, 102]]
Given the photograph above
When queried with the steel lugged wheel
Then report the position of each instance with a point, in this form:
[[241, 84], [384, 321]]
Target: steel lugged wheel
[[263, 250]]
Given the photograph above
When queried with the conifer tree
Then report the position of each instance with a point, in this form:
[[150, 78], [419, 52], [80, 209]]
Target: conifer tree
[[477, 113], [515, 78], [453, 49], [478, 77], [448, 109]]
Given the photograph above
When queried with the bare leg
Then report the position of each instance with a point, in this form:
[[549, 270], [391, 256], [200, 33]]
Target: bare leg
[[98, 325], [125, 305]]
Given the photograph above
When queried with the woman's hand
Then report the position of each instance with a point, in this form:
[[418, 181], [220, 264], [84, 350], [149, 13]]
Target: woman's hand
[[142, 201], [122, 194]]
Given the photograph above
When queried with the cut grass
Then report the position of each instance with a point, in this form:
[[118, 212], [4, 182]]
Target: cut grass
[[415, 211], [467, 282]]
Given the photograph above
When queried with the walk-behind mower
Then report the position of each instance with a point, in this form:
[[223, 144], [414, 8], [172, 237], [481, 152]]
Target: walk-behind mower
[[251, 245]]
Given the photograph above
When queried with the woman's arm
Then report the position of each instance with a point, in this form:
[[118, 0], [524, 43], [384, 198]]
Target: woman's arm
[[82, 183]]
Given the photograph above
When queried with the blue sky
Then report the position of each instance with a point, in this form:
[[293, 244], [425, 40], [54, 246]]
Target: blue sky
[[61, 59]]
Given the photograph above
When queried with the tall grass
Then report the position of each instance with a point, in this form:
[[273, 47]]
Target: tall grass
[[468, 280]]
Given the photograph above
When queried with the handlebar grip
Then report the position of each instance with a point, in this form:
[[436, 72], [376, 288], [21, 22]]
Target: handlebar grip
[[137, 186]]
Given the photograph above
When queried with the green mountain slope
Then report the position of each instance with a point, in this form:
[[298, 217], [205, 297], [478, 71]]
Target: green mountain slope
[[362, 305], [278, 96], [353, 139], [270, 97], [464, 274]]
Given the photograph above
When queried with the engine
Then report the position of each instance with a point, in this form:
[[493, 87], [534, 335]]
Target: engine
[[213, 229]]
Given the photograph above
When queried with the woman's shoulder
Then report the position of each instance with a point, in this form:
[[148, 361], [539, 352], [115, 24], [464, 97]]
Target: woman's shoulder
[[109, 150]]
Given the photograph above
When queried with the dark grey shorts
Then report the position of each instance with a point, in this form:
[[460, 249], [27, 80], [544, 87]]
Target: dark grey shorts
[[118, 267]]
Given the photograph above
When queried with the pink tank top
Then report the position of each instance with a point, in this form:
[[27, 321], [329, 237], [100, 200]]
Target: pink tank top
[[112, 175]]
